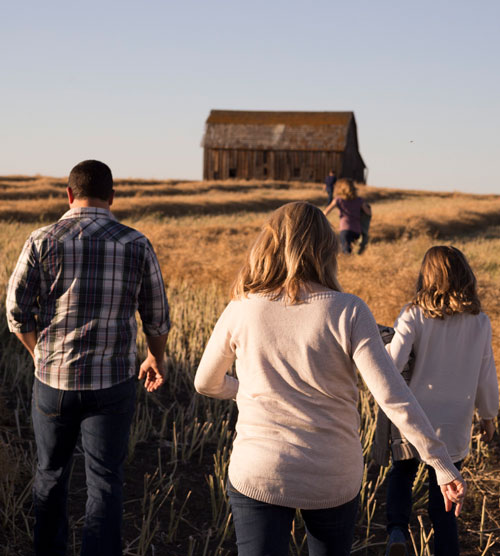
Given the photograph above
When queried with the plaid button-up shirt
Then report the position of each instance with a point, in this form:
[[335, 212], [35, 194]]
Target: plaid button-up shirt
[[79, 283]]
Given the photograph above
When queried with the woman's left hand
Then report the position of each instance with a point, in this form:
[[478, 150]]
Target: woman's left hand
[[487, 427]]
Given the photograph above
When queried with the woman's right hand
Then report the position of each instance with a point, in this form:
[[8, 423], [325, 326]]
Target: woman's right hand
[[454, 493]]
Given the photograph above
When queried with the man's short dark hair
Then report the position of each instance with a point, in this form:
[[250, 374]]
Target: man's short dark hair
[[91, 178]]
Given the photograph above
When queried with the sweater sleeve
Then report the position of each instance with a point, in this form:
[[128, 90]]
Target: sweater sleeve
[[393, 395], [487, 387], [403, 339], [211, 378]]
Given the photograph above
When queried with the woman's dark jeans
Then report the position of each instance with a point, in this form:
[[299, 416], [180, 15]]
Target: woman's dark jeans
[[104, 418], [264, 529], [399, 503], [347, 237]]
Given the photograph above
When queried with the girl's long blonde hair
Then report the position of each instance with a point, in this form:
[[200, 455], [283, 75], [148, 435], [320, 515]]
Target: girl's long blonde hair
[[345, 189], [446, 284], [296, 245]]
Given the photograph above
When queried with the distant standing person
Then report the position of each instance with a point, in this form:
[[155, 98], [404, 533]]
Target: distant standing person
[[72, 301], [350, 207], [330, 184]]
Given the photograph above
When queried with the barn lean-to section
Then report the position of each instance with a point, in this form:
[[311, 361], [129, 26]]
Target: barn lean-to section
[[298, 146]]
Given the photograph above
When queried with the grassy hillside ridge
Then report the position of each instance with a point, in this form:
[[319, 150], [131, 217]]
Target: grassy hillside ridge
[[181, 441], [400, 213]]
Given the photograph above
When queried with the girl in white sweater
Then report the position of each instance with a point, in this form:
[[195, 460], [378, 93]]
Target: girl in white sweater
[[454, 373], [296, 340]]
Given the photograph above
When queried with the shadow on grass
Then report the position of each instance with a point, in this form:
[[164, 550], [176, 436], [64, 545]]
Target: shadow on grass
[[471, 221], [162, 209], [129, 189]]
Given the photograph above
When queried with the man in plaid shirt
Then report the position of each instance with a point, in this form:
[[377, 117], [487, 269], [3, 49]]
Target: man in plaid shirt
[[72, 301]]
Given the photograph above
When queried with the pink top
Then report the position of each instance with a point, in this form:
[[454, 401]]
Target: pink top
[[350, 213]]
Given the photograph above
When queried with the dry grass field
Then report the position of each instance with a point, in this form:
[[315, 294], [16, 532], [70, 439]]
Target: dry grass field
[[175, 499]]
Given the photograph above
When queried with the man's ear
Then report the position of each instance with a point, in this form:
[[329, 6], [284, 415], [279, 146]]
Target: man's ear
[[71, 197], [111, 197]]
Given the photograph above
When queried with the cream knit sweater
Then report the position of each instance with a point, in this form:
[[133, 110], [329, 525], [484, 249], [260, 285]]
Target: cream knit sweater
[[297, 441], [454, 371]]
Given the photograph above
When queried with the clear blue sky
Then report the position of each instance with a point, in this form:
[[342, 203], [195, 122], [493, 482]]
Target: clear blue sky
[[132, 83]]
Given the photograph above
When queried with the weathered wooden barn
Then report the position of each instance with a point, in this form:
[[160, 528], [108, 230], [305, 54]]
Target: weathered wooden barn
[[300, 146]]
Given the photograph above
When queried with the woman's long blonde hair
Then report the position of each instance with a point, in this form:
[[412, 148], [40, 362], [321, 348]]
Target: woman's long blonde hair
[[345, 189], [296, 245], [446, 284]]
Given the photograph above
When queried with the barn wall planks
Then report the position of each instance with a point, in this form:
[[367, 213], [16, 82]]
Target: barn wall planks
[[222, 164]]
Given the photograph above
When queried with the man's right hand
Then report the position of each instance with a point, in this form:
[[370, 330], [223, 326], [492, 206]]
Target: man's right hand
[[153, 371], [28, 339]]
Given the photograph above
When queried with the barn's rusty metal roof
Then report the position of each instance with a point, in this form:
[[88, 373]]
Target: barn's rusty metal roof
[[237, 129], [272, 118]]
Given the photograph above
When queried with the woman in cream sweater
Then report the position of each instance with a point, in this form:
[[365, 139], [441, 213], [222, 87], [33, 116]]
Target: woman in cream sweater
[[296, 340]]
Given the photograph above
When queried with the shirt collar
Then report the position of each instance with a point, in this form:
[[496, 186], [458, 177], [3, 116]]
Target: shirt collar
[[89, 212]]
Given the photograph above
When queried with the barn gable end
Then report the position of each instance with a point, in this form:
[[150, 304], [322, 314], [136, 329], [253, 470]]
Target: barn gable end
[[301, 146]]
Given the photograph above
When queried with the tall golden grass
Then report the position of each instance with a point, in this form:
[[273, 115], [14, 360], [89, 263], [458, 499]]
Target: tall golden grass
[[180, 442]]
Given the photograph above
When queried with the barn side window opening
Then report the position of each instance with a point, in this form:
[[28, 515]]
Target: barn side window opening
[[264, 164]]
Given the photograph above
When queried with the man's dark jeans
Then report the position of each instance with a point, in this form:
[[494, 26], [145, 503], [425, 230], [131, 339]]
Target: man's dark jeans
[[399, 503], [329, 192], [264, 529], [104, 418]]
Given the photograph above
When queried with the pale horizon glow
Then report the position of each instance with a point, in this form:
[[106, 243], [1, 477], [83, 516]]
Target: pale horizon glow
[[132, 83]]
